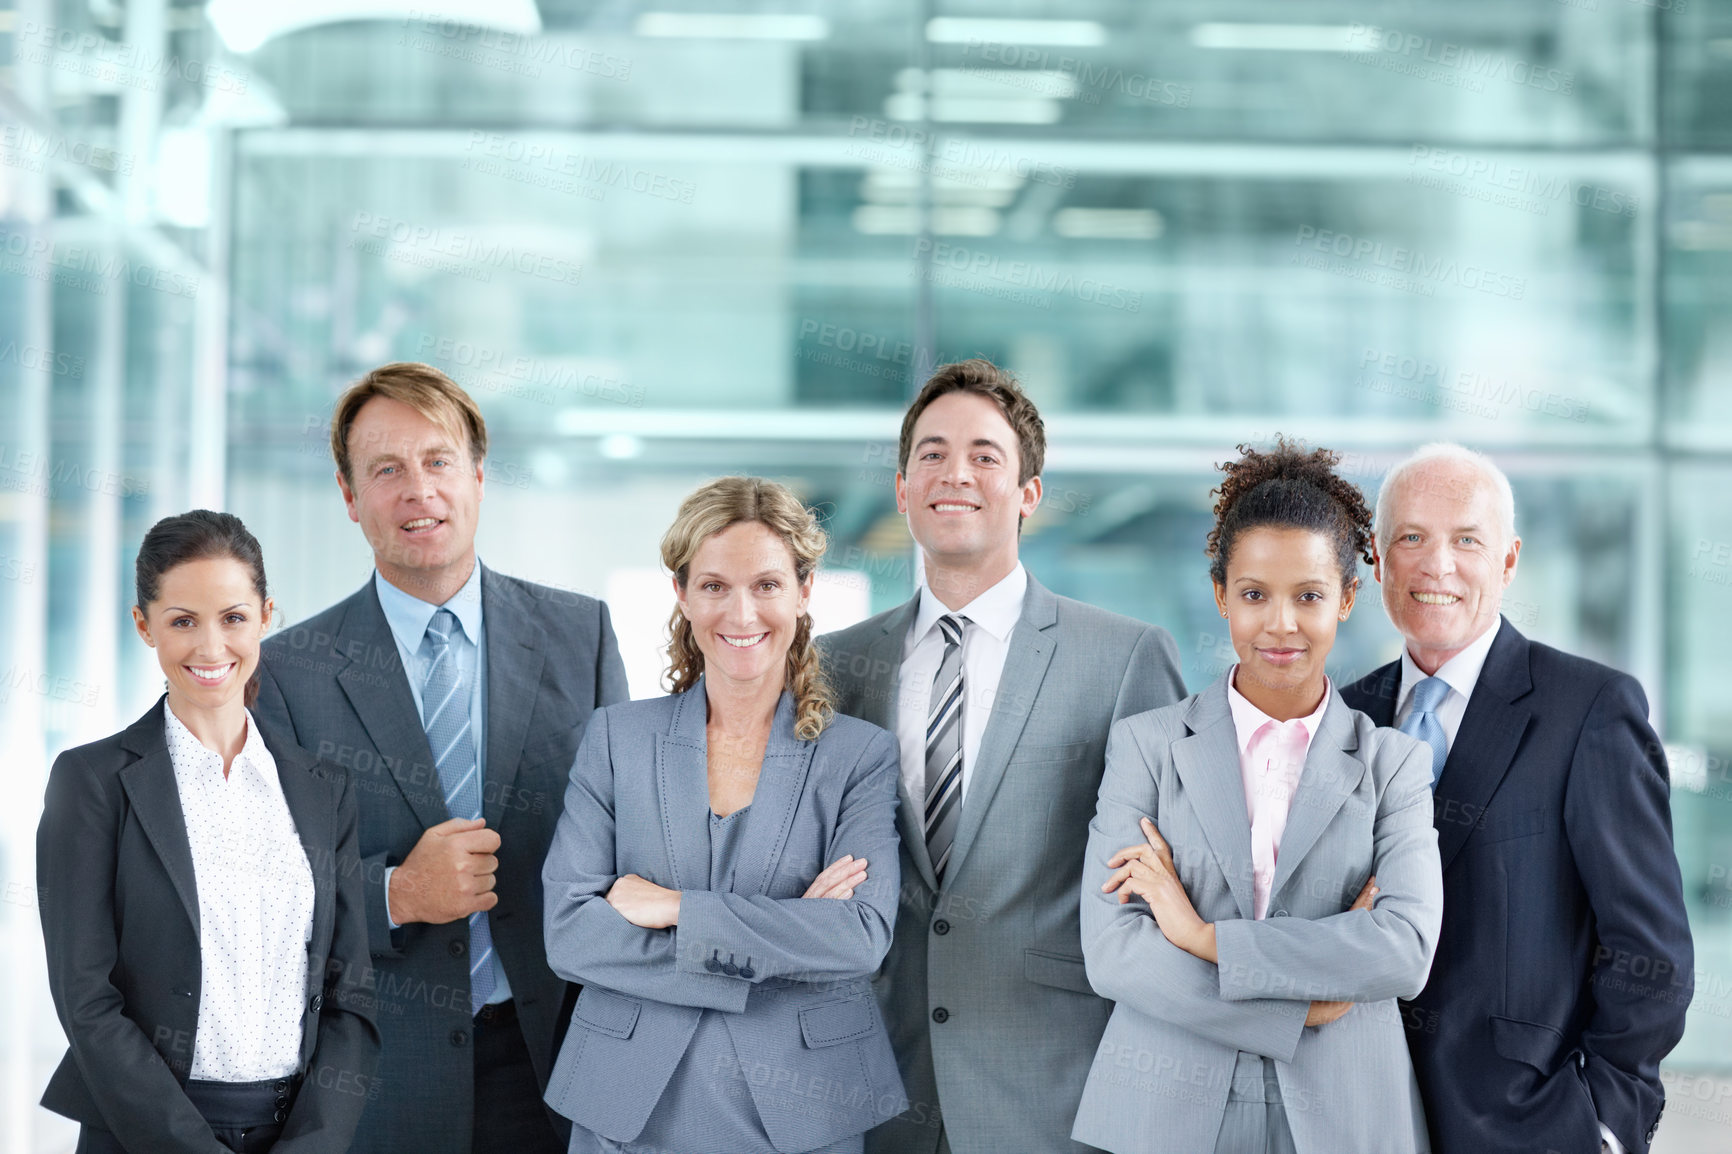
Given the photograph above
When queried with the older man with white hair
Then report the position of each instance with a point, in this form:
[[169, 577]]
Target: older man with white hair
[[1563, 968]]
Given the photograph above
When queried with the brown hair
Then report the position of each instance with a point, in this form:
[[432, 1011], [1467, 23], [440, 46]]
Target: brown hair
[[717, 506], [1288, 487], [424, 389], [985, 379]]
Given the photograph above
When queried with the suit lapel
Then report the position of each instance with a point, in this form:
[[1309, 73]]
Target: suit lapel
[[1025, 664], [1207, 762], [378, 689], [1491, 732], [311, 804], [781, 781], [154, 795], [683, 785], [880, 703], [1329, 776], [513, 672], [1380, 691]]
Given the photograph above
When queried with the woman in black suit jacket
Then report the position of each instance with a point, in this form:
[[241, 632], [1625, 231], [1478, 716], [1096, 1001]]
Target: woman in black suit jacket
[[193, 825]]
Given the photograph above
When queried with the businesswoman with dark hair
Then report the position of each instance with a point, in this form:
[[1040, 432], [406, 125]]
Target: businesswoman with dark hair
[[723, 880], [200, 893], [1262, 880]]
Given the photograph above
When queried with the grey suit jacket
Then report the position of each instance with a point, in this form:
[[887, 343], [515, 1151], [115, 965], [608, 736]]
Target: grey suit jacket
[[336, 681], [120, 919], [989, 1007], [789, 973], [1161, 1076]]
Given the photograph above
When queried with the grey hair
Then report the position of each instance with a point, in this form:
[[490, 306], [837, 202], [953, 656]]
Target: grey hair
[[1445, 451]]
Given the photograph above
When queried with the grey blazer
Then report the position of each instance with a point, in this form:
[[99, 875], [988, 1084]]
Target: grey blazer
[[790, 974], [336, 683], [990, 1010], [1162, 1073], [120, 920]]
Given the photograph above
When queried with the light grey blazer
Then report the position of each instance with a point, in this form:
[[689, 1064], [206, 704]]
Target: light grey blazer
[[989, 1008], [790, 973], [1162, 1072]]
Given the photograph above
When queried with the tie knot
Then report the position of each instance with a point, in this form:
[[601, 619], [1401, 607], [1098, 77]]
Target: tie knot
[[439, 629], [951, 626], [1429, 694]]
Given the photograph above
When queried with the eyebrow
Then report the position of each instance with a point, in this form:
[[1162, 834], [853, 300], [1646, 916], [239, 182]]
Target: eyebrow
[[437, 451], [194, 612], [706, 576], [1315, 580], [935, 439]]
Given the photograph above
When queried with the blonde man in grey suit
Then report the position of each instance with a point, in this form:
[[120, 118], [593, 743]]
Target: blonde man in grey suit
[[1000, 695], [1233, 831]]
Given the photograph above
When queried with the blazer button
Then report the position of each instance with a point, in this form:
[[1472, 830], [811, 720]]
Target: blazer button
[[941, 1015], [282, 1086], [318, 1000], [747, 972], [730, 969], [279, 1115], [712, 965], [1277, 913], [457, 948], [941, 926], [459, 1038]]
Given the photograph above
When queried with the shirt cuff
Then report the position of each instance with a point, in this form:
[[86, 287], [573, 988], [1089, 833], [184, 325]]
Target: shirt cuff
[[1609, 1141], [389, 870]]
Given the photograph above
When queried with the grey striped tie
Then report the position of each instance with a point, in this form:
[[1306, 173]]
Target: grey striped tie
[[944, 749], [445, 705]]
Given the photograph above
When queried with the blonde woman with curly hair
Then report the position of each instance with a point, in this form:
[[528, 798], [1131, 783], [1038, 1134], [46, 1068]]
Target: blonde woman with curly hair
[[723, 881]]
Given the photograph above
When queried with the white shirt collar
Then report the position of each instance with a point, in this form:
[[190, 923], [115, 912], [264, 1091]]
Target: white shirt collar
[[408, 615], [253, 752], [996, 610], [1460, 672], [1248, 719]]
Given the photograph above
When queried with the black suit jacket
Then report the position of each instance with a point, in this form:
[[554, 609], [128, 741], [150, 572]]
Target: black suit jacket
[[121, 922], [337, 681], [1564, 965]]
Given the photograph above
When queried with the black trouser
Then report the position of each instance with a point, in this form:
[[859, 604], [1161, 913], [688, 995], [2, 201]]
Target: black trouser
[[247, 1117], [510, 1117]]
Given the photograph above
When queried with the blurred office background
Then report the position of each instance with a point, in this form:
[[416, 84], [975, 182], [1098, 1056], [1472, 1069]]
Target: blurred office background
[[662, 241]]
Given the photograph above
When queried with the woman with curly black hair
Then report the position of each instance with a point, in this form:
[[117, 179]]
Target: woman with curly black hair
[[1262, 880]]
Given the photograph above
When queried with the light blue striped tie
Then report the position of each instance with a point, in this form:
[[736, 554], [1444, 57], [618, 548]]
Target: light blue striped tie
[[1422, 721], [445, 705]]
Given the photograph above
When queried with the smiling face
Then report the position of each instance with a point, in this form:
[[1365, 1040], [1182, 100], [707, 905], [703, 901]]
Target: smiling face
[[1283, 601], [1442, 560], [744, 603], [416, 494], [960, 490], [205, 625]]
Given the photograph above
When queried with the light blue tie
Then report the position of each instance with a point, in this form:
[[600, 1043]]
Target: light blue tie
[[1422, 721], [445, 704]]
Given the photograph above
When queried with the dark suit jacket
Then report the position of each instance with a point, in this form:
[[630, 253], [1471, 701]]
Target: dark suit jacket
[[121, 922], [1564, 965], [337, 680]]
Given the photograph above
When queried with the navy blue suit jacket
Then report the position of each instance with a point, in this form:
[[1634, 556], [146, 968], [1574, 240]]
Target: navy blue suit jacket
[[1564, 965]]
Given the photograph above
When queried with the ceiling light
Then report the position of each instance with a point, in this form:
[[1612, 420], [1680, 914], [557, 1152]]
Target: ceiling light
[[977, 30], [1108, 223], [732, 26], [1282, 37], [246, 25]]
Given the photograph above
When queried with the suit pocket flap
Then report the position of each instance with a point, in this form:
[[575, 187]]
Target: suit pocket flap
[[607, 1012], [1067, 973], [830, 1023], [1532, 1043]]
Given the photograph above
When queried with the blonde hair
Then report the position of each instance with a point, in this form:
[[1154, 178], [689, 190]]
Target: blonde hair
[[720, 505], [424, 389]]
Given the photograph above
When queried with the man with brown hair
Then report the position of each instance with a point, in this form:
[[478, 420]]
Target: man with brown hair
[[1000, 694], [455, 696]]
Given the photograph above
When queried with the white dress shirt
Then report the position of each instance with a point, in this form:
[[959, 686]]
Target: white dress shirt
[[408, 617], [1462, 673], [1270, 769], [985, 641], [255, 909]]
